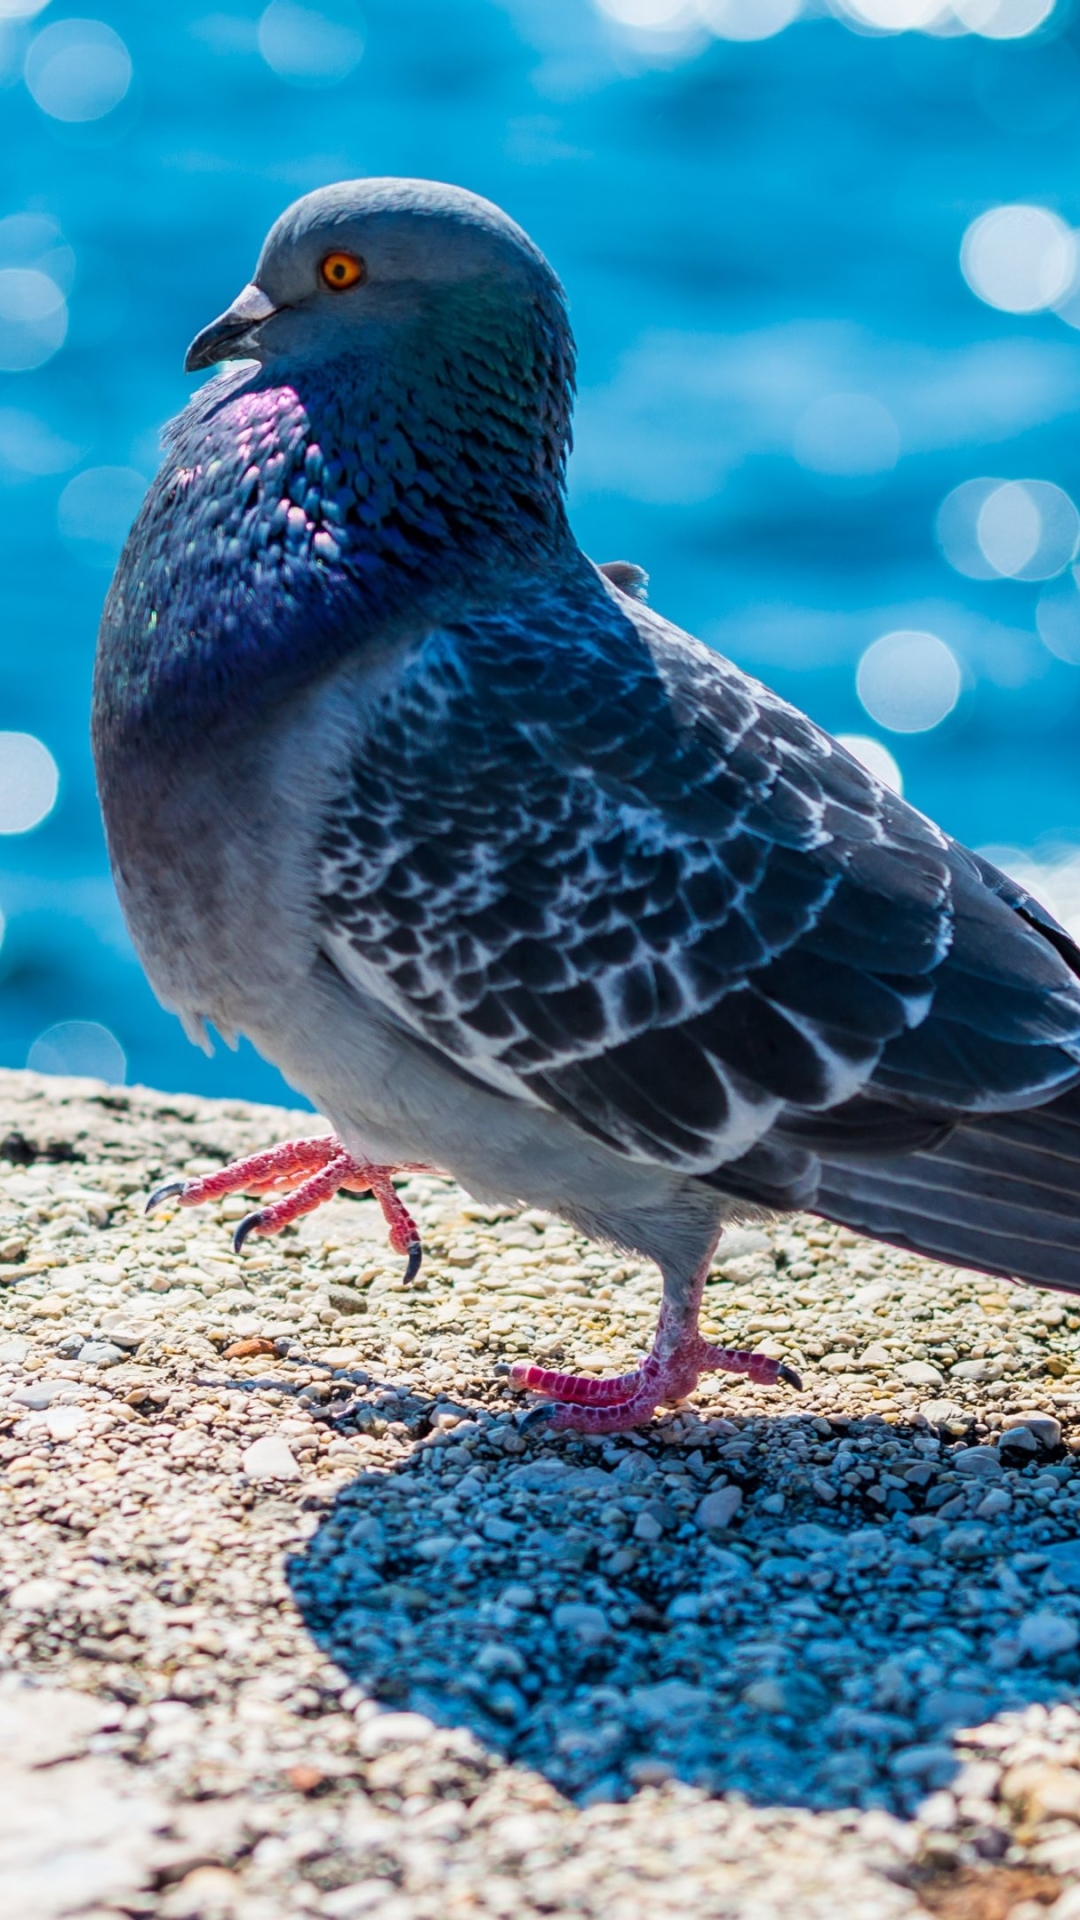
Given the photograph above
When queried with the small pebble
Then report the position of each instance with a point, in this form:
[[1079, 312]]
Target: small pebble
[[1043, 1635], [716, 1510], [100, 1353], [270, 1458]]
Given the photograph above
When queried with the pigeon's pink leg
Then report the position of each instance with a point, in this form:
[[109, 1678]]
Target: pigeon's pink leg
[[667, 1375], [305, 1173]]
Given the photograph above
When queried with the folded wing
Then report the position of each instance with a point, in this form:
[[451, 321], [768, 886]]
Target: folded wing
[[610, 874]]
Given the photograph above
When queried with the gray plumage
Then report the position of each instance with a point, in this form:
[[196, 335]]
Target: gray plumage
[[504, 871]]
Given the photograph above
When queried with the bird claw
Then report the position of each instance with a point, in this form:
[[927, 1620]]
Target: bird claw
[[250, 1223], [541, 1416], [302, 1174], [166, 1192]]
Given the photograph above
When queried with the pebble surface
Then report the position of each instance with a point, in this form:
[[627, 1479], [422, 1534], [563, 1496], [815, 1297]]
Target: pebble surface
[[308, 1626]]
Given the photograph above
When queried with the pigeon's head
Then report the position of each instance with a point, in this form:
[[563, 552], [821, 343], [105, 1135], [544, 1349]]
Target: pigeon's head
[[368, 265]]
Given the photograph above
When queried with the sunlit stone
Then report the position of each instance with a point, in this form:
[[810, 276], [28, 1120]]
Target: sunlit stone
[[908, 681], [29, 782]]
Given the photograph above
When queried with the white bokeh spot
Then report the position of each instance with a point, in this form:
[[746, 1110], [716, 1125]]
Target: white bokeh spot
[[874, 755], [1008, 529], [908, 681], [33, 319], [78, 70], [1020, 259], [748, 19], [29, 782], [1057, 617], [311, 46], [895, 16], [1002, 19], [96, 510], [82, 1047]]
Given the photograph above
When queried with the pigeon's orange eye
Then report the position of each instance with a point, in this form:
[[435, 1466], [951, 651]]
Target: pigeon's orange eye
[[342, 270]]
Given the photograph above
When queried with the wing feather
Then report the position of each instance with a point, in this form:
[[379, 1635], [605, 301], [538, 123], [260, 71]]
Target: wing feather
[[608, 873]]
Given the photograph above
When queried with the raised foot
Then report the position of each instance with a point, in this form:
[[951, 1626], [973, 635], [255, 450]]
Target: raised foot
[[305, 1173], [628, 1400]]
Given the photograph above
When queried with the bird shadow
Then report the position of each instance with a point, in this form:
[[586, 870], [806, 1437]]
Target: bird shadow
[[568, 1604]]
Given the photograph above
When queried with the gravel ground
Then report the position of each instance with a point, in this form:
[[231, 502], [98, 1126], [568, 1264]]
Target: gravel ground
[[296, 1621]]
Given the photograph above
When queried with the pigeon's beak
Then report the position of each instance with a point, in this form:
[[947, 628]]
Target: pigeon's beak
[[232, 336]]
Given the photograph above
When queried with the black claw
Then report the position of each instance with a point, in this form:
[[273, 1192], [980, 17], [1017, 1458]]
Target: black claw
[[412, 1267], [789, 1376], [247, 1225], [164, 1193], [538, 1416]]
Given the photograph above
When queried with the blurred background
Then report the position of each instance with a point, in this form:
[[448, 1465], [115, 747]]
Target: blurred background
[[825, 279]]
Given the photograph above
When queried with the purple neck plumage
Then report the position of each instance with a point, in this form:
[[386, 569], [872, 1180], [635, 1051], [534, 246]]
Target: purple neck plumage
[[302, 515]]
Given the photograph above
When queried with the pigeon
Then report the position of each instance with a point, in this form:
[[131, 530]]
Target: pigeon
[[515, 880]]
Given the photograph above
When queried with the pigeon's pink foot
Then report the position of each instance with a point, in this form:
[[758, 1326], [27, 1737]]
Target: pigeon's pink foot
[[667, 1375], [305, 1173]]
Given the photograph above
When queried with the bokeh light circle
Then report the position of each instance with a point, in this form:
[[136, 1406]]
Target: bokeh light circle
[[96, 509], [894, 16], [29, 782], [1057, 617], [1008, 529], [35, 240], [28, 445], [1002, 19], [81, 1047], [1028, 529], [874, 755], [908, 681], [748, 19], [647, 16], [78, 70], [848, 435], [1020, 259], [311, 46], [33, 319], [956, 527]]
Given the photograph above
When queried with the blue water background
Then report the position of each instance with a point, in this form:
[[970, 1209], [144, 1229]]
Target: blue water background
[[740, 228]]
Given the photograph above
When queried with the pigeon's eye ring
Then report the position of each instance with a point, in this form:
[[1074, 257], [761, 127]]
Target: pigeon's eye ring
[[339, 271]]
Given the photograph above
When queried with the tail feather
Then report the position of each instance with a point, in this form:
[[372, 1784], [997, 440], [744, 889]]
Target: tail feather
[[1001, 1193]]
